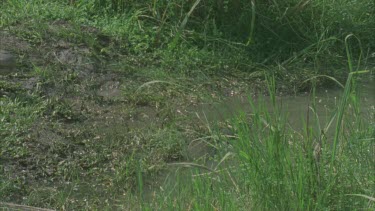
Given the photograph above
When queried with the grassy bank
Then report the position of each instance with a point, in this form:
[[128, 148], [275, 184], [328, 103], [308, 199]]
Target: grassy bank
[[268, 165], [104, 100]]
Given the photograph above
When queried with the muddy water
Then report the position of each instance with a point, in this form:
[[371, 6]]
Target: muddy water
[[297, 107]]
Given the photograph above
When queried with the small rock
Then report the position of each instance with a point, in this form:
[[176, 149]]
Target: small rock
[[7, 62]]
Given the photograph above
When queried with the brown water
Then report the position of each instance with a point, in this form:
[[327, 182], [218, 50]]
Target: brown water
[[297, 107]]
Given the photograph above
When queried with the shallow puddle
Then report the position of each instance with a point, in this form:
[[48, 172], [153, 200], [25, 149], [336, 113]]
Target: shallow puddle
[[296, 108]]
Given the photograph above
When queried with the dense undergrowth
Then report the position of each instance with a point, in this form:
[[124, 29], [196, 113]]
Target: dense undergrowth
[[104, 93], [287, 32], [268, 30]]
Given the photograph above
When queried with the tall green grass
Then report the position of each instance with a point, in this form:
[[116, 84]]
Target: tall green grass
[[310, 171], [277, 167]]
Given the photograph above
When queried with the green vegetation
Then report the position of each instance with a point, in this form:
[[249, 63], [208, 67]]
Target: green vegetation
[[103, 109], [278, 168]]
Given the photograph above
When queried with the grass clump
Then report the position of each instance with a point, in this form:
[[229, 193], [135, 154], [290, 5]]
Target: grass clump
[[287, 170], [272, 166]]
